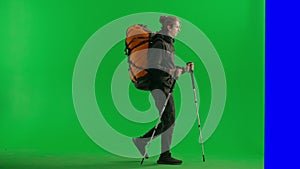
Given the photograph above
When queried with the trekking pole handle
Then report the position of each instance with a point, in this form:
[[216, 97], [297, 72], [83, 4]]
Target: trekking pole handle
[[172, 86], [188, 64], [193, 79]]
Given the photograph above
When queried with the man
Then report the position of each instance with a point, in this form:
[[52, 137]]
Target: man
[[163, 72]]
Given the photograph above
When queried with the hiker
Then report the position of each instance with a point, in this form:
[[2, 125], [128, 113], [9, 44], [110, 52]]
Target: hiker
[[163, 73]]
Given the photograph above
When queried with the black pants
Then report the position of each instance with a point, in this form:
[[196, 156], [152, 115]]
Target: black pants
[[166, 126]]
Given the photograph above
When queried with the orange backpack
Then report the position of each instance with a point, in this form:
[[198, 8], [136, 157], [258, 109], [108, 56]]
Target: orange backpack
[[137, 42]]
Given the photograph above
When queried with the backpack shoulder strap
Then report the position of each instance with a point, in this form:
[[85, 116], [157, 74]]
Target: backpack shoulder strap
[[156, 38]]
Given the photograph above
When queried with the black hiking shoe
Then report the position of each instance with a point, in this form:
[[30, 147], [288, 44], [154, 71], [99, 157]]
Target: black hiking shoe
[[141, 145], [165, 158]]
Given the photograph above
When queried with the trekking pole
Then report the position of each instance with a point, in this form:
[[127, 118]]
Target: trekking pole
[[161, 112], [197, 109]]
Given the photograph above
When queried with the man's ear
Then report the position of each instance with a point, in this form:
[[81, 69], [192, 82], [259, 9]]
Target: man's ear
[[169, 27]]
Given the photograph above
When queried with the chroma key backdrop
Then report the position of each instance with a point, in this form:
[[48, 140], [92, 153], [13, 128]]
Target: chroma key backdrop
[[67, 100]]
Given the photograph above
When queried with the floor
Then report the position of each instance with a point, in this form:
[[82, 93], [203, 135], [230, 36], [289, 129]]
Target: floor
[[87, 161]]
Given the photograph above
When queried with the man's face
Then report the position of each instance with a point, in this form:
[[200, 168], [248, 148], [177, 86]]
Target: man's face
[[173, 31]]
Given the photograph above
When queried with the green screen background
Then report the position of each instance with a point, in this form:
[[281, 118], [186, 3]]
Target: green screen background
[[41, 40]]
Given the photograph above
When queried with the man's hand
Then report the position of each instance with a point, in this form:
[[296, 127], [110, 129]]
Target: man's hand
[[178, 72]]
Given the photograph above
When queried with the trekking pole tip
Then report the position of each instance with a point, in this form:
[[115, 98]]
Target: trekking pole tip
[[142, 161]]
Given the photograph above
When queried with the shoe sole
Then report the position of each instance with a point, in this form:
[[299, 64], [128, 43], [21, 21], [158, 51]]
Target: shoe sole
[[159, 162]]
